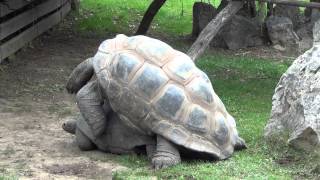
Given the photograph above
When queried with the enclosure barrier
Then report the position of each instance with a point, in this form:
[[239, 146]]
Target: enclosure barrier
[[23, 20]]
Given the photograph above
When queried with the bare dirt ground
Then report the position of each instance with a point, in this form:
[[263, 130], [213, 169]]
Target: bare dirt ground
[[34, 104]]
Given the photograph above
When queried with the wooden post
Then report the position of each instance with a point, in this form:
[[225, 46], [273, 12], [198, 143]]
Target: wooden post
[[208, 33]]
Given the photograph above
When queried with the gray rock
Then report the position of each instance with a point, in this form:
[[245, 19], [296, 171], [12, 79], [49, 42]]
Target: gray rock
[[291, 12], [306, 37], [240, 32], [316, 32], [203, 13], [315, 15], [280, 31], [295, 111]]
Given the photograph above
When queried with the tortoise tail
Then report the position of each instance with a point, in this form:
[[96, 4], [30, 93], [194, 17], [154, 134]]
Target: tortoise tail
[[80, 76]]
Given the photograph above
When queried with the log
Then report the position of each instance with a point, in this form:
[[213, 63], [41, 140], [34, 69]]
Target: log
[[292, 3], [149, 15], [208, 33]]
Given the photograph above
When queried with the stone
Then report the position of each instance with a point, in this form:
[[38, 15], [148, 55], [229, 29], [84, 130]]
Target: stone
[[315, 15], [306, 37], [240, 32], [291, 12], [280, 31], [295, 115], [203, 13], [316, 32]]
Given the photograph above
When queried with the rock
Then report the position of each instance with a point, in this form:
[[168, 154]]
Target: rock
[[203, 13], [279, 47], [291, 12], [315, 15], [306, 37], [295, 110], [280, 31], [316, 32], [240, 32]]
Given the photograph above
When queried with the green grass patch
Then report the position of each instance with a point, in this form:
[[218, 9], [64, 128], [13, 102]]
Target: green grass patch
[[124, 16]]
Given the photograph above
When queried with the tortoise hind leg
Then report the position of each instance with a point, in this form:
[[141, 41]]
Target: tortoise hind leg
[[83, 142], [90, 103], [166, 154]]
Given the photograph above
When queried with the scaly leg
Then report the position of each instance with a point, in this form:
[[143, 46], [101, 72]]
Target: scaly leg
[[166, 154], [90, 103]]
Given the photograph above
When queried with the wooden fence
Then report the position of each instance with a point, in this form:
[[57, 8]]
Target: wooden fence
[[23, 20]]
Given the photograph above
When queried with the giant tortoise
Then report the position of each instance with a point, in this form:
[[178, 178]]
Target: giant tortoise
[[156, 91]]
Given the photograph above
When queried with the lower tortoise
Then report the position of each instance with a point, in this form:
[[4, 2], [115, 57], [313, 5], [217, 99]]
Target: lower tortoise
[[157, 92]]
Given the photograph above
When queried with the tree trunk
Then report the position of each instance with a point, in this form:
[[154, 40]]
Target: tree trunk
[[75, 5], [149, 15], [208, 33], [222, 5]]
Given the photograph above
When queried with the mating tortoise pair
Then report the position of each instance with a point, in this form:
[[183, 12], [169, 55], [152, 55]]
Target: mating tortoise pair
[[146, 94]]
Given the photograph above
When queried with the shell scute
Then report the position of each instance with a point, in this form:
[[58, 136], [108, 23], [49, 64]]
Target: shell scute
[[154, 50], [179, 135], [221, 133], [149, 80], [197, 119], [124, 65], [170, 102], [181, 67], [201, 89]]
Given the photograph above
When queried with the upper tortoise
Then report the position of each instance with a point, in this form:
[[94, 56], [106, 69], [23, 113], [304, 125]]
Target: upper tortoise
[[157, 91]]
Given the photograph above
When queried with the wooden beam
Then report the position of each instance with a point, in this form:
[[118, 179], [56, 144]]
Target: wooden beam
[[209, 32], [291, 3], [14, 24], [26, 36]]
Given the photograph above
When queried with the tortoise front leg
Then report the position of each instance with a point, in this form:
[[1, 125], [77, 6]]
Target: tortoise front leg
[[166, 154]]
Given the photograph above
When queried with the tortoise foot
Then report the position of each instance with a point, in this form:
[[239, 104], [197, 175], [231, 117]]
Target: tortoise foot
[[164, 160], [166, 154]]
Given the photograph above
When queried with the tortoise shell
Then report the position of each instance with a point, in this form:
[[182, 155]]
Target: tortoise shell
[[158, 90]]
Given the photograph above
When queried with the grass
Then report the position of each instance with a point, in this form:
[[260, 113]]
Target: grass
[[174, 18], [244, 84]]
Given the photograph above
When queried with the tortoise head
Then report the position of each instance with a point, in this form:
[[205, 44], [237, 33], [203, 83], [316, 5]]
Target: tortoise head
[[70, 126]]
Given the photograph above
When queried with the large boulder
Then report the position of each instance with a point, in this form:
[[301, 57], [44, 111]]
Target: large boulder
[[203, 13], [291, 12], [239, 32], [280, 31], [242, 32], [295, 115]]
